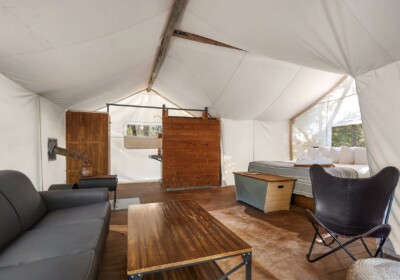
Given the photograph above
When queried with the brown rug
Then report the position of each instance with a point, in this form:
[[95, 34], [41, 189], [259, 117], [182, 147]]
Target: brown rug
[[277, 253]]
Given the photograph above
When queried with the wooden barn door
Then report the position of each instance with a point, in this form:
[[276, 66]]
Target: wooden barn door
[[191, 152], [87, 133]]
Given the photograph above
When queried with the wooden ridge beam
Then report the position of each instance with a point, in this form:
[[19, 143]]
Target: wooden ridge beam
[[201, 39], [176, 14]]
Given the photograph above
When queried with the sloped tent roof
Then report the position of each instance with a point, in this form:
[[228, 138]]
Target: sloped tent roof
[[81, 54], [84, 53]]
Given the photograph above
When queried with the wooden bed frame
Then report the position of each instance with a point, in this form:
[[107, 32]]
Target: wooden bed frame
[[303, 201]]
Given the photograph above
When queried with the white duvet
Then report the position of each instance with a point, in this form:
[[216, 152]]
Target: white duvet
[[362, 170]]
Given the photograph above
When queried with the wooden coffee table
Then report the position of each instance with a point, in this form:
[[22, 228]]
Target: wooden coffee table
[[180, 236]]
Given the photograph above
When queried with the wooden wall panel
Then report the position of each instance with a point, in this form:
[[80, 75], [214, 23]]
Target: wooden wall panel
[[87, 133], [191, 152]]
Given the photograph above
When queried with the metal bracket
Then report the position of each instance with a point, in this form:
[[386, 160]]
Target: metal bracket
[[135, 276], [247, 260]]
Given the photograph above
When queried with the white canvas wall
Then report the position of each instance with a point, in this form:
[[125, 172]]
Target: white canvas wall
[[249, 140], [133, 165], [379, 97], [52, 125], [19, 123], [237, 147], [271, 140]]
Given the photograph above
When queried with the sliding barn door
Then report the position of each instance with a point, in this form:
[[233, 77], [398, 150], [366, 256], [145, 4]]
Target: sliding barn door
[[87, 133], [191, 152]]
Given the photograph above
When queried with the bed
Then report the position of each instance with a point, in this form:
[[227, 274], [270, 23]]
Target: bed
[[302, 185]]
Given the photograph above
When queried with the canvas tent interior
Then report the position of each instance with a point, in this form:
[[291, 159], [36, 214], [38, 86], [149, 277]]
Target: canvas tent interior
[[81, 54]]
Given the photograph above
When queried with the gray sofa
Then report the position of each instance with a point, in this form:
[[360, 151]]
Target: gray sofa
[[50, 235]]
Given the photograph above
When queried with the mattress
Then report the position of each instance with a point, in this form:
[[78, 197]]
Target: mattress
[[302, 184]]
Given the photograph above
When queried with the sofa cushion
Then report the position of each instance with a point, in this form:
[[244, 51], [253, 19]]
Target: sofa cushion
[[10, 224], [50, 242], [22, 195], [71, 267], [61, 199], [74, 215]]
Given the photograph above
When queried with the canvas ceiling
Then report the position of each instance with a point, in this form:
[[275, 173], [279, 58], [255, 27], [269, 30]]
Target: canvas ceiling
[[81, 54]]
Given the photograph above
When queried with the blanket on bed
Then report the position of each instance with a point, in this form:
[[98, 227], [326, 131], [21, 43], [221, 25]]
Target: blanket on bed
[[302, 184]]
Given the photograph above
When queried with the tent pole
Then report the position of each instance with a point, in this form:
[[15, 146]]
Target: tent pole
[[291, 122], [156, 107]]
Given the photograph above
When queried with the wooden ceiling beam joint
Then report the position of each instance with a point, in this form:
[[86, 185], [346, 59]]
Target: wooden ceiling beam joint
[[201, 39], [174, 18]]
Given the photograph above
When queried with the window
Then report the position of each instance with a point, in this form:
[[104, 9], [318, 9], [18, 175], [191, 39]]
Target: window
[[142, 130], [348, 135], [335, 113]]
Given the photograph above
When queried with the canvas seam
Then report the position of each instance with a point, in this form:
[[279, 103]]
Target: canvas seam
[[83, 41], [282, 92]]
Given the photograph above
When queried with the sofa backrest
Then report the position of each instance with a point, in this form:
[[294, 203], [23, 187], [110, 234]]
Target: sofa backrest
[[23, 197]]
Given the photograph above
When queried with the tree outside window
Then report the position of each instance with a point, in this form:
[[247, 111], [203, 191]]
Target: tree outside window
[[348, 135], [143, 130]]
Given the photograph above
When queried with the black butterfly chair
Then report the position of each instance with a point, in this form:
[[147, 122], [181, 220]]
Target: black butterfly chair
[[351, 208]]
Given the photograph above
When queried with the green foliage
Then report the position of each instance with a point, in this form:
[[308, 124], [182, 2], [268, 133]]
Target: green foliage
[[349, 135], [143, 130]]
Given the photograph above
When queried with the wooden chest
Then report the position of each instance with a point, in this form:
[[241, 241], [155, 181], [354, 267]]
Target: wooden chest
[[265, 192]]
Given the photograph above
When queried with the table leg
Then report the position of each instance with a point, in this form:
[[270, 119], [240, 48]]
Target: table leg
[[115, 196], [247, 258]]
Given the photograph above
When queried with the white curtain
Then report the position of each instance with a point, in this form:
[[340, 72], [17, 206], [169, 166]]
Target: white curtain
[[379, 94], [314, 127]]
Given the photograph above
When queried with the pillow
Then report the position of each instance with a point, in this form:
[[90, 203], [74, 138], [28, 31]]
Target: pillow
[[334, 154], [324, 151], [313, 153], [360, 156], [346, 155]]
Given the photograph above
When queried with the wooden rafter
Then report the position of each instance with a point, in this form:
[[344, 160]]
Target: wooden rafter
[[176, 14], [201, 39]]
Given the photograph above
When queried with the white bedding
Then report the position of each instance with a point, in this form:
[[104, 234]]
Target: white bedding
[[362, 170], [301, 174]]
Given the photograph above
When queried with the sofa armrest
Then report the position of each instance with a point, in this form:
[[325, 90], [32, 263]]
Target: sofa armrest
[[73, 198]]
